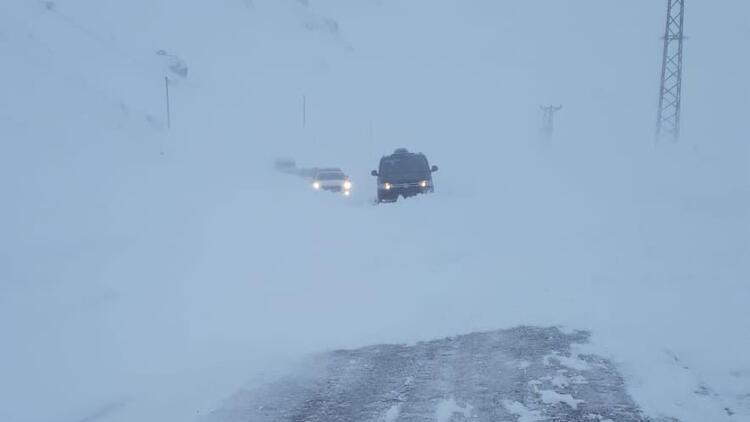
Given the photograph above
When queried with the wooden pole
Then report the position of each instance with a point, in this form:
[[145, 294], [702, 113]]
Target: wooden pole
[[169, 114]]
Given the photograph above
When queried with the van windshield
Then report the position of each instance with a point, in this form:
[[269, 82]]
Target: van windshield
[[403, 164]]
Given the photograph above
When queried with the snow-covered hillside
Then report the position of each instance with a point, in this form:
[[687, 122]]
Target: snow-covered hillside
[[147, 273]]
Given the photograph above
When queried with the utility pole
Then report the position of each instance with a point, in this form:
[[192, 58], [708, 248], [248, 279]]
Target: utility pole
[[304, 111], [548, 122], [670, 91], [169, 114]]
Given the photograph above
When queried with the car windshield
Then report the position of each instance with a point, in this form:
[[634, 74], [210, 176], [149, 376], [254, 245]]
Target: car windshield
[[331, 176], [403, 164]]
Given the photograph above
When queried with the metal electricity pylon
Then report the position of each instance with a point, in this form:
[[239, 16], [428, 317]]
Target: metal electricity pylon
[[548, 121], [670, 93]]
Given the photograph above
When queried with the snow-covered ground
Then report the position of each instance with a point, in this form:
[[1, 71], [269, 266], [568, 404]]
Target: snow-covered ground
[[145, 274]]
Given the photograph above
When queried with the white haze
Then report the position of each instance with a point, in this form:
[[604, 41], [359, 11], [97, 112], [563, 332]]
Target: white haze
[[145, 274]]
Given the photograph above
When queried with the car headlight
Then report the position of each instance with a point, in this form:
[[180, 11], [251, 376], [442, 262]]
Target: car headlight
[[316, 185], [387, 186], [424, 183], [347, 185]]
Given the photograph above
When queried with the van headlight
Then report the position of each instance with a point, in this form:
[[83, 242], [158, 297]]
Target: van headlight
[[424, 183], [316, 185], [347, 185], [387, 186]]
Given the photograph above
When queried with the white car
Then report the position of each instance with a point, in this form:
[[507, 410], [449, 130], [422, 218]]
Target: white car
[[332, 180]]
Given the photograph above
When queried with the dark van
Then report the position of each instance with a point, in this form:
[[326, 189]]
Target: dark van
[[403, 173]]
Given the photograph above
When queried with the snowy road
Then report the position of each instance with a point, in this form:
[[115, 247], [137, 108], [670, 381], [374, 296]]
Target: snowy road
[[525, 374]]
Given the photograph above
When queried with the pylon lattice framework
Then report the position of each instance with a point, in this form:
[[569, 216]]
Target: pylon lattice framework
[[670, 95]]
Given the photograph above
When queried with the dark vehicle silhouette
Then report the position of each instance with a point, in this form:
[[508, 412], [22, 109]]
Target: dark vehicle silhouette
[[403, 173]]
